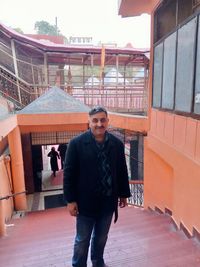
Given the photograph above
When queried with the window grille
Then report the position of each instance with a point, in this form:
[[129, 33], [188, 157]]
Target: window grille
[[50, 138]]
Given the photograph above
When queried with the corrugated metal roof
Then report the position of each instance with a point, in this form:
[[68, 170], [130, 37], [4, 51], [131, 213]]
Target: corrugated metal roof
[[50, 47]]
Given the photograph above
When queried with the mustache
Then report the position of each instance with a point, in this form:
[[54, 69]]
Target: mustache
[[99, 127]]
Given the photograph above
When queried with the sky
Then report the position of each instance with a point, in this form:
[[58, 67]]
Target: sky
[[98, 19]]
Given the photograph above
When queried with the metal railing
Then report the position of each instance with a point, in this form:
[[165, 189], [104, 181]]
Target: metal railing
[[12, 195], [119, 99], [137, 193], [131, 97]]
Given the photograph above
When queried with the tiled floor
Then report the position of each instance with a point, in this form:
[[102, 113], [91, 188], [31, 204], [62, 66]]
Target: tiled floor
[[139, 239], [50, 186]]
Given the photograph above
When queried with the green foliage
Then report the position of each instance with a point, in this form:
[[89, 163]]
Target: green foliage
[[44, 27], [18, 30]]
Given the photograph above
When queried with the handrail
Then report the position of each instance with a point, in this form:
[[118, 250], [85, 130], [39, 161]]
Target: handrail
[[136, 182], [126, 154], [12, 195]]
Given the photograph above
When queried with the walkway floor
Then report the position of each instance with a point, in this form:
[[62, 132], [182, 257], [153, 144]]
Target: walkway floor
[[140, 238]]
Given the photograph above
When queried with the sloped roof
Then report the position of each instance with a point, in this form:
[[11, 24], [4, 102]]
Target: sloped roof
[[62, 47], [55, 100]]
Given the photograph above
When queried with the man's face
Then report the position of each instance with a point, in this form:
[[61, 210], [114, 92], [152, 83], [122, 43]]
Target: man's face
[[98, 123]]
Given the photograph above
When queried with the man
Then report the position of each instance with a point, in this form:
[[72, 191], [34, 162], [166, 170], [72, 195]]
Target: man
[[54, 156], [95, 181]]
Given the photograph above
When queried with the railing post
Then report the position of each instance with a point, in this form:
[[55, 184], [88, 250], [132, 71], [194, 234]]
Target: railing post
[[46, 69]]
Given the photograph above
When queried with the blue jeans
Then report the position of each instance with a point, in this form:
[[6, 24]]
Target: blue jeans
[[98, 228]]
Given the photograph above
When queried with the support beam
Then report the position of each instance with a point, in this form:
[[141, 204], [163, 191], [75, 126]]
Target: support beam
[[17, 167]]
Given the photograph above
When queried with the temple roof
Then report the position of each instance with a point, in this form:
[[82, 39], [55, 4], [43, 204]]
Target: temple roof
[[55, 100]]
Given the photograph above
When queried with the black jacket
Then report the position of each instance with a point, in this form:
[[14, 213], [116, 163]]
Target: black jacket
[[81, 171]]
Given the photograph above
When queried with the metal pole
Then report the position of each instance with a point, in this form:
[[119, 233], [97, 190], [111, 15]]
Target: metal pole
[[16, 69]]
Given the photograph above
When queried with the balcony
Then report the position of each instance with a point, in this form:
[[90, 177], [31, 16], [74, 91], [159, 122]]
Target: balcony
[[116, 78]]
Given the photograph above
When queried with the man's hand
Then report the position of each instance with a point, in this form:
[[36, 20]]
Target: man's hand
[[122, 202], [72, 208]]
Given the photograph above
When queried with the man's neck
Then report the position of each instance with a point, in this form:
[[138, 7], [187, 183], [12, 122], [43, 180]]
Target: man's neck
[[100, 138]]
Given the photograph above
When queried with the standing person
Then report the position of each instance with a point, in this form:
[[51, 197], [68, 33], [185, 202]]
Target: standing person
[[54, 156], [62, 150], [95, 182]]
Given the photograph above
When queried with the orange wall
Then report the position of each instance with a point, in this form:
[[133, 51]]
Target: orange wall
[[7, 125], [6, 206], [171, 152], [173, 146], [77, 121], [52, 119], [3, 144], [131, 8], [158, 181], [129, 122], [17, 167], [50, 128]]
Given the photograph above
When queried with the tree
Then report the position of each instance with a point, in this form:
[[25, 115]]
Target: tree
[[44, 27], [18, 30]]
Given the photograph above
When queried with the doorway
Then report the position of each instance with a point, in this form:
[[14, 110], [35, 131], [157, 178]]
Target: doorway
[[49, 181], [45, 183]]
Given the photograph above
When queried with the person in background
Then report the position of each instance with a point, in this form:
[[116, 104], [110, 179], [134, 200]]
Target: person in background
[[62, 150], [95, 183], [54, 156]]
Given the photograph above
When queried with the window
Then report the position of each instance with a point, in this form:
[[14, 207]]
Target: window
[[176, 77], [169, 15]]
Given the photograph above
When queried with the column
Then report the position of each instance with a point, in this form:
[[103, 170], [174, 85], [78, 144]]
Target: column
[[17, 168]]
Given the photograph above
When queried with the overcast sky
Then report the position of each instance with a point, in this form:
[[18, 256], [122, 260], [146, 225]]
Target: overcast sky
[[98, 19]]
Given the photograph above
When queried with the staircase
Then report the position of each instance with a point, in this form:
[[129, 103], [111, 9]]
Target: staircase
[[15, 90], [140, 238]]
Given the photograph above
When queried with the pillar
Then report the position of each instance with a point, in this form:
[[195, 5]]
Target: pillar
[[17, 168]]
